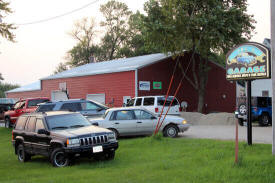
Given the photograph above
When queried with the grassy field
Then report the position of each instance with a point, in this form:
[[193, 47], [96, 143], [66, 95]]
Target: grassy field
[[149, 160]]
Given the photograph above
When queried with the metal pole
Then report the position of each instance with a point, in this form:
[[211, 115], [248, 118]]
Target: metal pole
[[272, 5], [236, 140], [249, 125]]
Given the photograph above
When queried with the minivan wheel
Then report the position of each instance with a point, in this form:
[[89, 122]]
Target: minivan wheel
[[22, 155], [7, 122], [59, 158], [264, 120], [171, 131]]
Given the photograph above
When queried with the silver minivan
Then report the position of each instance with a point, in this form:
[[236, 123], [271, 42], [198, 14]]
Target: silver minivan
[[155, 104]]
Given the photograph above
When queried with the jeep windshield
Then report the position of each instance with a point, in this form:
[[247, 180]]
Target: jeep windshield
[[66, 121]]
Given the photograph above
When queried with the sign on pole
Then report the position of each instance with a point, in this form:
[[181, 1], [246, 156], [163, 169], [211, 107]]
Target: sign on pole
[[248, 61]]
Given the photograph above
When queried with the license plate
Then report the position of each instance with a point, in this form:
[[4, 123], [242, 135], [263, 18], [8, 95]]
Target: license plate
[[97, 149]]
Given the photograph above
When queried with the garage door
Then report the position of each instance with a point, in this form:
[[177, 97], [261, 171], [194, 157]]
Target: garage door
[[100, 97]]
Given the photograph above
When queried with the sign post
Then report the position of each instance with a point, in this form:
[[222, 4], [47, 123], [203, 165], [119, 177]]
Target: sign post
[[249, 122], [248, 61]]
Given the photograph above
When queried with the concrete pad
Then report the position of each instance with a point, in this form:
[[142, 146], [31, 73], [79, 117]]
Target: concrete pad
[[196, 118]]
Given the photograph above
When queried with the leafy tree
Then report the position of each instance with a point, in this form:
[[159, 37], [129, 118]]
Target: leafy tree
[[1, 77], [203, 27], [5, 87], [6, 28], [84, 33], [135, 42], [61, 67], [116, 15]]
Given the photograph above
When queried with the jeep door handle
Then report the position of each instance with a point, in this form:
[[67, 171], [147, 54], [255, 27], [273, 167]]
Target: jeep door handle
[[116, 123], [139, 122]]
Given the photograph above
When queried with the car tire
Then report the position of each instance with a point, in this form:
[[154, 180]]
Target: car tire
[[59, 158], [240, 121], [171, 131], [7, 122], [264, 120], [115, 131], [22, 155], [242, 109], [109, 155]]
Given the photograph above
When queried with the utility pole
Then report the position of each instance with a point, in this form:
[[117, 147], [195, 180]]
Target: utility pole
[[272, 13]]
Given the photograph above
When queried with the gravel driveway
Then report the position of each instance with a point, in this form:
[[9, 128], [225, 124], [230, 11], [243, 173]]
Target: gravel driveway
[[227, 132]]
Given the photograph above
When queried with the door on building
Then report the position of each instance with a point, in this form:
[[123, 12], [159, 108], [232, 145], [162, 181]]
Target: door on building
[[58, 95], [99, 97]]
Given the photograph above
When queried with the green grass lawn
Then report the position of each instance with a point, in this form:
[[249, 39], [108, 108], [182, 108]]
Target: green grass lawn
[[149, 160]]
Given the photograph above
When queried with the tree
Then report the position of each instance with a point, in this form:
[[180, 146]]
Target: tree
[[116, 15], [6, 28], [135, 42], [84, 33], [61, 67], [203, 27], [1, 77], [5, 87]]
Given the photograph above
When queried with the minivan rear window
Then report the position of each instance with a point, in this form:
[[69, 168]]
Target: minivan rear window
[[149, 101], [161, 101]]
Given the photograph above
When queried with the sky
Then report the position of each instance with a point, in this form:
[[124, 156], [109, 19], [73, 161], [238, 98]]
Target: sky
[[40, 47]]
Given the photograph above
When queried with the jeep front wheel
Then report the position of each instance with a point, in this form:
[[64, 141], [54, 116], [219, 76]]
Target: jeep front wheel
[[22, 155], [59, 158]]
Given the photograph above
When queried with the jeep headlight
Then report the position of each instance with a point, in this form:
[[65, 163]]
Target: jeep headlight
[[184, 122], [73, 142], [111, 137]]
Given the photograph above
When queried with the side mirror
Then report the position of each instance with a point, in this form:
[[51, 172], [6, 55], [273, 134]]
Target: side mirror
[[152, 117], [95, 124], [43, 131]]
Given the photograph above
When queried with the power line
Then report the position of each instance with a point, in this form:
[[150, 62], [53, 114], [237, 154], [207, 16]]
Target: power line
[[61, 15]]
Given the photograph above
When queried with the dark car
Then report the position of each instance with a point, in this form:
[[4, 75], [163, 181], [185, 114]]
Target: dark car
[[21, 107], [5, 105], [87, 108], [261, 111], [61, 136]]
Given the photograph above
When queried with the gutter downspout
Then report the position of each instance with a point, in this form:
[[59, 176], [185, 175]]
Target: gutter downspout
[[136, 82]]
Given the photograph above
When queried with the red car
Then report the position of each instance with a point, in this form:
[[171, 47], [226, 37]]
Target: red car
[[21, 107]]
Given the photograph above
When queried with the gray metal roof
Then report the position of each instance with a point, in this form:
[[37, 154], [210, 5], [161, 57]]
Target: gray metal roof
[[30, 87], [118, 65]]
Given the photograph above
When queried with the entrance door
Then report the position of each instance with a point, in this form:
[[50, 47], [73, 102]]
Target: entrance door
[[99, 97]]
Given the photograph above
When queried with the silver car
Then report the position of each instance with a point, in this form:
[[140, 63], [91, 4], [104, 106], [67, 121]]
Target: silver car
[[128, 121]]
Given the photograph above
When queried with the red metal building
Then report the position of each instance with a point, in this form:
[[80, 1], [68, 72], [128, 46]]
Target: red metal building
[[112, 82]]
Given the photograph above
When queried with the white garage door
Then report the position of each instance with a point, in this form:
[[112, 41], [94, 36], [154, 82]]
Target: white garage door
[[100, 97]]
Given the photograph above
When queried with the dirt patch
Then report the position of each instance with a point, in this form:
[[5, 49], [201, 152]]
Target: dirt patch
[[196, 118]]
